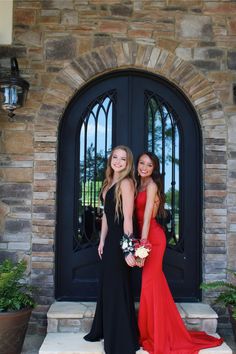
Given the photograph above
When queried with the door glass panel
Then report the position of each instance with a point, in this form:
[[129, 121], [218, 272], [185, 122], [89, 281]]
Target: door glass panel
[[95, 139], [164, 141]]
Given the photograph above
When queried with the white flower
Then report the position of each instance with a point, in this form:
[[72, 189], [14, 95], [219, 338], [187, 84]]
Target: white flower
[[141, 252], [124, 245]]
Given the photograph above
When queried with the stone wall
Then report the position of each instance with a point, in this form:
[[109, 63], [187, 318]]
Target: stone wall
[[60, 45]]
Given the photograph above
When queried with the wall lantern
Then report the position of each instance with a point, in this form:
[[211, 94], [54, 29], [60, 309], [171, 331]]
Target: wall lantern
[[13, 90]]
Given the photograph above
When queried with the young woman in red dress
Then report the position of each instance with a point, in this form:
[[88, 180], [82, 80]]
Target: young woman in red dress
[[162, 330]]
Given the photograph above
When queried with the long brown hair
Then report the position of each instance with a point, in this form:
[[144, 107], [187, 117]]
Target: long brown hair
[[157, 179], [128, 172]]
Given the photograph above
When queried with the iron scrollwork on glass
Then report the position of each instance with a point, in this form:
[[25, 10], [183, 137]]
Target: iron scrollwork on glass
[[164, 141], [95, 139]]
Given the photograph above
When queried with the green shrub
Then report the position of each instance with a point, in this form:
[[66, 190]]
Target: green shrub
[[15, 294], [227, 290]]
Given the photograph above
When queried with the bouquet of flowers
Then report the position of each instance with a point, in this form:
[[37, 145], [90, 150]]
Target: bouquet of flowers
[[128, 244], [142, 250]]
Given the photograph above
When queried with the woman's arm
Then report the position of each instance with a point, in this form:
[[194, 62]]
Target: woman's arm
[[104, 230], [103, 235], [148, 213], [127, 193]]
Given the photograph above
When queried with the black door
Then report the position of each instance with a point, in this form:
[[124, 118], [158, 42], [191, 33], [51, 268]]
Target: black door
[[144, 112]]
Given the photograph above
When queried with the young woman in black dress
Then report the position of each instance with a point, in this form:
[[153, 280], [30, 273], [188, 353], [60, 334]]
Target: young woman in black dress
[[115, 319]]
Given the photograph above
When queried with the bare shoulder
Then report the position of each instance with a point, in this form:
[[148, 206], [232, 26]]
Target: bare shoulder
[[152, 188], [127, 184]]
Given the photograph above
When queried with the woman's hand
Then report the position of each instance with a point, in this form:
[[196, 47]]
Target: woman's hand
[[140, 263], [130, 260], [100, 249]]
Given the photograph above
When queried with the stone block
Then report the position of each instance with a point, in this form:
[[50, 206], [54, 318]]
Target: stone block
[[207, 64], [42, 247], [49, 16], [69, 17], [46, 280], [86, 324], [45, 156], [184, 53], [215, 157], [4, 209], [219, 8], [214, 243], [231, 60], [52, 325], [60, 48], [153, 57], [232, 26], [69, 325], [169, 44], [67, 310], [116, 27], [16, 175], [121, 10], [17, 237], [17, 142], [3, 245], [100, 39], [14, 226], [43, 265], [83, 68], [8, 255], [139, 33], [208, 53], [31, 38], [25, 16], [194, 26], [161, 59], [214, 267], [23, 246], [232, 125], [193, 321], [57, 4]]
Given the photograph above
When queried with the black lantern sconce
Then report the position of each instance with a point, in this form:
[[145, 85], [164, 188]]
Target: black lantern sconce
[[13, 90]]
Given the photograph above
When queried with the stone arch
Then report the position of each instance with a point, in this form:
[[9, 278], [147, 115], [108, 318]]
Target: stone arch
[[153, 59]]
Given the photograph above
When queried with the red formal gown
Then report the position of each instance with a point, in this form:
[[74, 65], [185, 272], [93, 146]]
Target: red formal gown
[[162, 330]]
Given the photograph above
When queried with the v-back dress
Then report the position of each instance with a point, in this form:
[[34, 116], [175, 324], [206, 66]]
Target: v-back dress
[[115, 318], [162, 330]]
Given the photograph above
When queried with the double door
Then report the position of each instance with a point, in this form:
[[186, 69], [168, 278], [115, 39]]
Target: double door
[[144, 112]]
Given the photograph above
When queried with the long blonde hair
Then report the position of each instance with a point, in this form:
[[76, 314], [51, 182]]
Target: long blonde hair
[[128, 172]]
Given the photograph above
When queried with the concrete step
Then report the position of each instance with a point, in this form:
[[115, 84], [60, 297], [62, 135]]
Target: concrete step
[[77, 316], [73, 343]]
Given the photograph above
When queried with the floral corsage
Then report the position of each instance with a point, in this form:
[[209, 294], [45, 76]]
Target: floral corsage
[[128, 244], [142, 250]]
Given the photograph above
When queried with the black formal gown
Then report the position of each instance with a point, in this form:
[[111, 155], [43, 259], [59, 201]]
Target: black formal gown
[[115, 318]]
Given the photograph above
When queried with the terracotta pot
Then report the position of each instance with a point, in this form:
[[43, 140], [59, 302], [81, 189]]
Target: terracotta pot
[[13, 326], [232, 320]]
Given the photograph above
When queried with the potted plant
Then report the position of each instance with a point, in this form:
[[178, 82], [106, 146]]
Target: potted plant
[[227, 296], [16, 304]]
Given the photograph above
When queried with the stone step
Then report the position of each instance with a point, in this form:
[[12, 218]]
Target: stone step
[[73, 343], [78, 316]]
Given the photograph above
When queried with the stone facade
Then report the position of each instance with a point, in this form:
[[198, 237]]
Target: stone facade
[[60, 46]]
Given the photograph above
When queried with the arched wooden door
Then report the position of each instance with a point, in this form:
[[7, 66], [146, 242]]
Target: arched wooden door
[[144, 112]]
